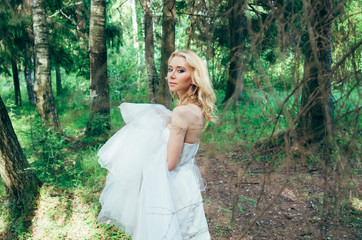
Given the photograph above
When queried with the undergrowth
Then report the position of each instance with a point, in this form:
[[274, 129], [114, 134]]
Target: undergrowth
[[67, 164]]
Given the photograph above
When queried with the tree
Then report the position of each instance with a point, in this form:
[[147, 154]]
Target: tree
[[237, 23], [99, 117], [135, 38], [13, 23], [68, 47], [29, 72], [150, 51], [21, 184], [167, 47], [28, 40], [16, 83], [316, 107], [45, 103], [81, 23], [58, 80]]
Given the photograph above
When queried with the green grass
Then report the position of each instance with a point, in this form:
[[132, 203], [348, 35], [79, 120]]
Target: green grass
[[244, 123], [68, 204]]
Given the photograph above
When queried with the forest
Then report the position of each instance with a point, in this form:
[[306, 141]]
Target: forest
[[283, 161]]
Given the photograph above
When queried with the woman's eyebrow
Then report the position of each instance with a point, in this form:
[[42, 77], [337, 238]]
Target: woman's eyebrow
[[177, 66]]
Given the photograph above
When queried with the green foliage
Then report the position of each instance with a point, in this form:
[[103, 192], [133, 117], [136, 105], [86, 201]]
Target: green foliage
[[227, 211], [128, 83], [13, 34], [245, 122], [244, 200], [98, 126], [52, 164]]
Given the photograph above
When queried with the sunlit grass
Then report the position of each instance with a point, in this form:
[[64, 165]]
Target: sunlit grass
[[69, 215]]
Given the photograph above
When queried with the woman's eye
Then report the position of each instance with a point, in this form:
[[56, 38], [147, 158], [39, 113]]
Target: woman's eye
[[181, 71], [170, 69]]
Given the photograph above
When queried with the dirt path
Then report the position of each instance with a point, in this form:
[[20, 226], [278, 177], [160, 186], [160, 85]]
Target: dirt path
[[293, 210]]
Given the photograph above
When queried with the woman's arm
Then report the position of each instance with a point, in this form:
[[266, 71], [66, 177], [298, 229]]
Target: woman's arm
[[179, 127]]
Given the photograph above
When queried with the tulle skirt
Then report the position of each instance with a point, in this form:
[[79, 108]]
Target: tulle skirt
[[141, 196]]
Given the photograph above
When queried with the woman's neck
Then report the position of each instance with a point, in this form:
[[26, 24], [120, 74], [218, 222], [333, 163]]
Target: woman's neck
[[183, 94]]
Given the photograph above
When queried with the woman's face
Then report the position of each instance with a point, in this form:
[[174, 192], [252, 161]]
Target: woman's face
[[179, 76]]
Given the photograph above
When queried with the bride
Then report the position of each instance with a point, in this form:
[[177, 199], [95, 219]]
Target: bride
[[153, 186]]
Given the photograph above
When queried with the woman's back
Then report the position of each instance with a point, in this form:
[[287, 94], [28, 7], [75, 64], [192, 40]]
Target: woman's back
[[191, 121]]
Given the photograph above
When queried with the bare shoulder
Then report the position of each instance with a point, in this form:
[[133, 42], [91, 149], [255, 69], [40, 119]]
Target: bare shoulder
[[190, 114], [189, 110], [180, 110], [179, 118]]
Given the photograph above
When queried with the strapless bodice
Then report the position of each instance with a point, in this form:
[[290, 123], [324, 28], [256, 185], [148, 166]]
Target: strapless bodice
[[187, 160], [187, 156]]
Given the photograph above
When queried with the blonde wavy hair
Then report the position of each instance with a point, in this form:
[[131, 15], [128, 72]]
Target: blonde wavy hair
[[203, 93]]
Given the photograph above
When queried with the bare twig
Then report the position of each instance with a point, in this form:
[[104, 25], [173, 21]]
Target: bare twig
[[65, 7]]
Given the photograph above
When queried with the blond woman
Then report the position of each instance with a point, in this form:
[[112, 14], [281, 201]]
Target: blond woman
[[153, 186]]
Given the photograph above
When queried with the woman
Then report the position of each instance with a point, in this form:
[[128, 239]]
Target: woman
[[153, 186]]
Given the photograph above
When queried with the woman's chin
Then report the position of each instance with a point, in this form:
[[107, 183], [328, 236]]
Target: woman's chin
[[171, 88]]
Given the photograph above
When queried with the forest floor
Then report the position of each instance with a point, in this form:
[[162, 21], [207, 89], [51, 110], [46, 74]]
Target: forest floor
[[267, 207]]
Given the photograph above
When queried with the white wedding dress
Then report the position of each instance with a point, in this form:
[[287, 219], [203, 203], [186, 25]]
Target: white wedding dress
[[141, 196]]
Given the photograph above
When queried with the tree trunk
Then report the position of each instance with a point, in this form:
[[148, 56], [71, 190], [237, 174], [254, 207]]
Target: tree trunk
[[58, 81], [21, 183], [16, 83], [167, 47], [150, 51], [80, 21], [45, 102], [99, 117], [134, 24], [135, 39], [316, 107], [29, 73], [234, 88]]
